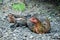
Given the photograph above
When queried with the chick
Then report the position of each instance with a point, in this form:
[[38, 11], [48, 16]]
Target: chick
[[17, 19], [11, 18], [40, 26]]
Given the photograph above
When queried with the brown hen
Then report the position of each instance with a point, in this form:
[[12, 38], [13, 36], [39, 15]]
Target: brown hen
[[40, 26]]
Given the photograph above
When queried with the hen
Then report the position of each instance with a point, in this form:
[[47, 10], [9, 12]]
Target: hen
[[39, 26]]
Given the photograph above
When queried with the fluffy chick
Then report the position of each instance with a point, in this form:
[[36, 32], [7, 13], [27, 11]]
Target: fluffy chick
[[17, 19], [11, 18]]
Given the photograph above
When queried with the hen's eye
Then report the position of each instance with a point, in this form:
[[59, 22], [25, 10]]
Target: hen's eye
[[33, 19]]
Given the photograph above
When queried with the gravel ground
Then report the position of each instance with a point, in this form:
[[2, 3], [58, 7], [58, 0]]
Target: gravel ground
[[23, 33]]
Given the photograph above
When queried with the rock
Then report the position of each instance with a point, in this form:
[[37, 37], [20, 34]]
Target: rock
[[56, 36], [31, 36]]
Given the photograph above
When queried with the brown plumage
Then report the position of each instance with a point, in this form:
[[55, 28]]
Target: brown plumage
[[40, 27], [11, 18]]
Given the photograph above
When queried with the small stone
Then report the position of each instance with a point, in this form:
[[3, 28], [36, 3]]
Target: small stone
[[15, 38], [49, 17], [6, 34], [56, 34], [14, 34], [26, 36], [3, 11], [31, 36], [40, 34]]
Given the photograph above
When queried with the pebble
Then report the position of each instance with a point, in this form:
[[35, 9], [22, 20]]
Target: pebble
[[31, 36]]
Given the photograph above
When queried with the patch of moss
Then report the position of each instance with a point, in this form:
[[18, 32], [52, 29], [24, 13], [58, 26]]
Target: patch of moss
[[0, 1], [18, 6]]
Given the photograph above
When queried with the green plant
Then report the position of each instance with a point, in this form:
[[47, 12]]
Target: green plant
[[18, 6], [0, 1]]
